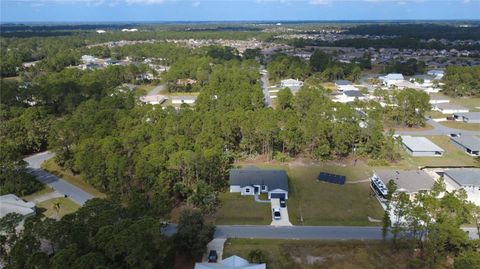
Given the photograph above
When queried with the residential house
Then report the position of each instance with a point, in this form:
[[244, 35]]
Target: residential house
[[153, 99], [349, 96], [293, 84], [464, 178], [469, 117], [345, 85], [468, 143], [232, 262], [438, 74], [447, 108], [10, 203], [391, 79], [410, 182], [178, 100], [421, 147], [253, 181]]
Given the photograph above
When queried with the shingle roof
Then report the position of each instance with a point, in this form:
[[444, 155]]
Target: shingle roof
[[420, 144], [449, 106], [465, 177], [274, 179], [409, 181], [343, 82], [469, 141], [353, 93]]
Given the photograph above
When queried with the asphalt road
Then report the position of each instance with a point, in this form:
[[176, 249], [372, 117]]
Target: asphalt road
[[76, 194], [266, 94], [438, 129], [301, 232]]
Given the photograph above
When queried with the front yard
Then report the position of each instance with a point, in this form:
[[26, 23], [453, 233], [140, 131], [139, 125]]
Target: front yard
[[58, 207], [237, 209]]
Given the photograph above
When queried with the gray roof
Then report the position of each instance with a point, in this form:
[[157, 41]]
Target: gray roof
[[449, 106], [343, 82], [469, 115], [273, 179], [408, 181], [353, 93], [420, 144], [464, 176], [469, 141]]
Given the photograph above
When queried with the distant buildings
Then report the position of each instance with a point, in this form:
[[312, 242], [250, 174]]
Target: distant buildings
[[438, 74], [101, 31], [421, 147], [130, 30], [391, 79], [468, 143]]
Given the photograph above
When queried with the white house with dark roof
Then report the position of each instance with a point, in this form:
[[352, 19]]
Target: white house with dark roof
[[421, 147], [464, 178], [252, 181], [468, 143]]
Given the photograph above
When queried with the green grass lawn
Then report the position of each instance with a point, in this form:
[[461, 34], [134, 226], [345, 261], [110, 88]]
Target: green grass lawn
[[66, 206], [452, 156], [469, 102], [77, 180], [322, 254], [46, 189], [144, 89], [461, 125], [319, 203], [237, 209]]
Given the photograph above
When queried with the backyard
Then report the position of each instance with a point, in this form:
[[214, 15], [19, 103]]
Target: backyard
[[322, 254]]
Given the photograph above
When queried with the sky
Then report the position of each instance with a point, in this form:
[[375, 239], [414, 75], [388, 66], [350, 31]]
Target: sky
[[234, 10]]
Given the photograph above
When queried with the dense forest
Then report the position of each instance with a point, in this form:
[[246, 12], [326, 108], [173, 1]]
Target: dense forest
[[462, 81]]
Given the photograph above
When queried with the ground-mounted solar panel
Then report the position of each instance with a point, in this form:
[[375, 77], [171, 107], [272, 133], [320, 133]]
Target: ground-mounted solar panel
[[332, 178]]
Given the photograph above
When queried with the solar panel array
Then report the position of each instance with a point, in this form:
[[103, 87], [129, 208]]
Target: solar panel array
[[332, 178]]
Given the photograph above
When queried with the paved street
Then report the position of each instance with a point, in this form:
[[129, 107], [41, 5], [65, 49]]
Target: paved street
[[266, 94], [438, 129], [59, 185], [301, 232]]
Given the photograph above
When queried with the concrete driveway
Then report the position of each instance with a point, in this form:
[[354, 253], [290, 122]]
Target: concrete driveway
[[284, 220], [217, 245]]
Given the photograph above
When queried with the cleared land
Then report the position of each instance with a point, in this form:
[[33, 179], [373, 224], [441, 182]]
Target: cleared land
[[76, 180], [462, 125], [39, 193], [237, 209], [322, 254], [58, 207]]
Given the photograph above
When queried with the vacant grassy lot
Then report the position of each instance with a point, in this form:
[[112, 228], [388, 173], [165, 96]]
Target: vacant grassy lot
[[308, 254], [471, 103], [462, 125], [318, 203], [41, 192], [452, 156], [77, 180], [65, 206], [237, 209], [144, 89]]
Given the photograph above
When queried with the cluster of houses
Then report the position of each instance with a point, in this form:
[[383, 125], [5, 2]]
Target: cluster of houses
[[423, 147], [92, 62]]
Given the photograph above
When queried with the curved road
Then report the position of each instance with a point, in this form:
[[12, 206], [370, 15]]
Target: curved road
[[438, 129], [75, 194]]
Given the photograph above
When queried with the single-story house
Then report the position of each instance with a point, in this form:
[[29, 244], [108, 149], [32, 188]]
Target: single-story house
[[10, 203], [232, 262], [438, 99], [251, 181], [421, 147], [391, 79], [422, 80], [345, 85], [447, 108], [178, 100], [293, 84], [349, 96], [410, 182], [469, 143], [153, 99], [469, 117], [464, 178], [438, 74]]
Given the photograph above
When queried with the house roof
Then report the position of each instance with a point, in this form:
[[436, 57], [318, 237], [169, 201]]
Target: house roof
[[393, 76], [469, 141], [469, 115], [10, 203], [464, 176], [444, 106], [353, 93], [410, 181], [420, 144], [292, 81], [342, 82], [273, 179], [186, 97], [232, 262]]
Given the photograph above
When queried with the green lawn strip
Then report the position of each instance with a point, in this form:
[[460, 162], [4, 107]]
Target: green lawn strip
[[461, 125], [46, 189], [237, 209], [321, 253], [66, 206], [144, 89], [76, 180], [469, 102], [321, 203]]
